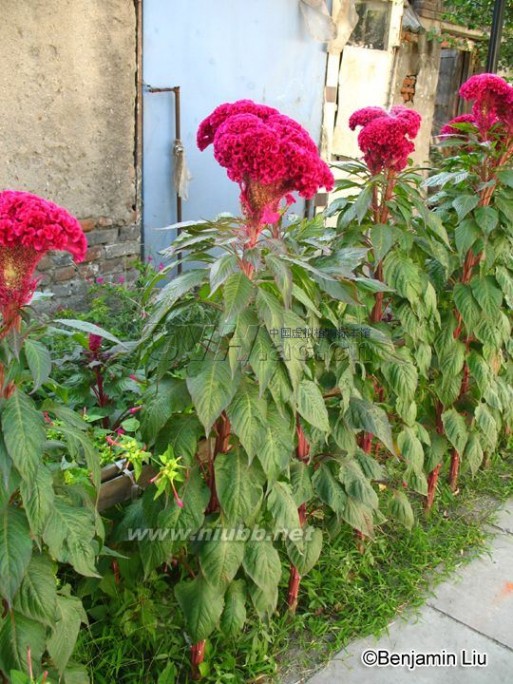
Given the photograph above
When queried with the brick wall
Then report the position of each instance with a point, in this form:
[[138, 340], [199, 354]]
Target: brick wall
[[111, 254]]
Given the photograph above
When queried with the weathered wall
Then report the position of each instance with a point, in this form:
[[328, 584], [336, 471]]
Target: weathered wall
[[67, 119]]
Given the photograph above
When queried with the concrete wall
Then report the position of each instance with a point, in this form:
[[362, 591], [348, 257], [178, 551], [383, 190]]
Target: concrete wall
[[67, 118]]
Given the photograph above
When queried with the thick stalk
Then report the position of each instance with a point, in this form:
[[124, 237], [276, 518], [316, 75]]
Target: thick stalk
[[434, 474], [197, 657], [455, 469], [302, 453]]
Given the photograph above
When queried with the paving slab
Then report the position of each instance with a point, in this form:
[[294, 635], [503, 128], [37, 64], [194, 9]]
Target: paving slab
[[451, 644], [466, 628], [480, 595]]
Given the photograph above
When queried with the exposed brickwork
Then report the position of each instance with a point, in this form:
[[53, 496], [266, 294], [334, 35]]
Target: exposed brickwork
[[111, 254]]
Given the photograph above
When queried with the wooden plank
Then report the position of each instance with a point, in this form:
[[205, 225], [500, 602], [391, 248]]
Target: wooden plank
[[121, 487]]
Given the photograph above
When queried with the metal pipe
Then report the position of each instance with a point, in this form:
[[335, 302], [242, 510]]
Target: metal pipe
[[492, 58]]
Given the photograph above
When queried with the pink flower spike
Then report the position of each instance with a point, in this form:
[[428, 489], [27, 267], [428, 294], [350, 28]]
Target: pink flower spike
[[134, 410], [100, 280], [110, 441], [121, 280], [120, 431], [179, 501]]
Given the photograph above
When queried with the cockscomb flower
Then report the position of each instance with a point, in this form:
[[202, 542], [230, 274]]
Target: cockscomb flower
[[451, 129], [268, 154], [386, 137], [493, 102], [29, 227]]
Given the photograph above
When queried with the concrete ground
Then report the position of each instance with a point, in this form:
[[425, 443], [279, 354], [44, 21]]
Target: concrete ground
[[467, 627]]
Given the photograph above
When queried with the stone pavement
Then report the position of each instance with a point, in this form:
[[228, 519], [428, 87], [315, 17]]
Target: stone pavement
[[467, 627]]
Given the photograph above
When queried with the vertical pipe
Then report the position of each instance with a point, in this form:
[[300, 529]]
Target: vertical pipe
[[492, 58]]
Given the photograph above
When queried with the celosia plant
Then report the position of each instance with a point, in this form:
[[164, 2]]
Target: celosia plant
[[386, 137], [29, 227], [268, 154]]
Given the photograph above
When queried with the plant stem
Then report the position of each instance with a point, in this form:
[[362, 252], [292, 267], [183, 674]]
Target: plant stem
[[197, 657]]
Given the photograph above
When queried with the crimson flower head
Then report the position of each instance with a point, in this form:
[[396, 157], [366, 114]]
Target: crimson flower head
[[29, 227], [268, 154], [386, 137], [493, 102]]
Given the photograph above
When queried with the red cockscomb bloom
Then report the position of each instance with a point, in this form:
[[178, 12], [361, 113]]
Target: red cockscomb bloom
[[451, 129], [268, 154], [386, 137], [29, 227], [493, 102]]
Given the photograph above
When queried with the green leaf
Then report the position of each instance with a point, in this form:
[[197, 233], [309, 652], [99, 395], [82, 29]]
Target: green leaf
[[212, 389], [487, 293], [435, 452], [263, 358], [487, 219], [39, 361], [38, 499], [401, 509], [247, 414], [262, 563], [506, 177], [219, 560], [301, 483], [221, 269], [487, 427], [359, 516], [282, 276], [276, 450], [480, 371], [467, 305], [301, 296], [69, 616], [417, 481], [234, 613], [473, 454], [15, 551], [403, 275], [411, 449], [89, 328], [168, 396], [355, 483], [183, 432], [237, 491], [18, 634], [382, 238], [364, 415], [283, 508], [329, 490], [237, 294], [506, 284], [455, 429], [463, 204], [37, 597], [359, 208], [69, 534], [24, 434], [202, 605], [311, 406], [305, 555], [402, 377]]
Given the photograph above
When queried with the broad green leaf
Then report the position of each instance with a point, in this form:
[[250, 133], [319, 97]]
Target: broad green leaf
[[356, 485], [234, 613], [467, 305], [69, 534], [219, 560], [403, 275], [238, 290], [301, 296], [15, 551], [23, 433], [329, 490], [37, 597], [359, 516], [39, 361], [411, 449], [382, 238], [69, 616], [463, 204], [277, 448], [212, 389], [183, 432], [487, 219], [195, 495], [364, 415], [264, 601], [506, 283], [465, 235], [238, 493], [263, 358], [282, 276], [423, 355], [402, 377], [221, 269], [473, 454], [202, 605], [487, 427], [283, 508], [486, 292], [247, 414], [506, 177], [480, 371], [400, 508], [305, 555], [89, 328], [455, 429], [18, 634], [436, 451], [262, 563], [311, 406], [167, 397], [417, 481], [370, 467], [38, 499], [301, 483], [359, 208]]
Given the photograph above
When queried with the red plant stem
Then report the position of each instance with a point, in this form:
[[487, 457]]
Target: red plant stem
[[432, 482], [455, 469], [222, 444], [197, 657], [302, 453]]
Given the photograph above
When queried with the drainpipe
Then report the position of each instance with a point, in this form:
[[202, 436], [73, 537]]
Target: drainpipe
[[492, 58]]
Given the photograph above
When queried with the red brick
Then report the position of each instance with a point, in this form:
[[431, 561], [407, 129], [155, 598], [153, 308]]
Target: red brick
[[88, 224]]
